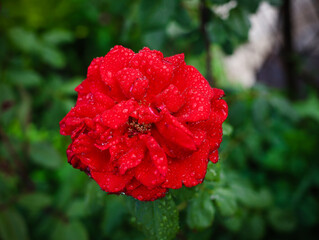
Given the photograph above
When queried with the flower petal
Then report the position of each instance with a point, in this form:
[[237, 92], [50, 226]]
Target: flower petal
[[147, 173], [133, 83], [142, 193], [110, 182], [118, 115], [171, 98], [189, 171], [153, 66], [116, 59], [131, 159], [157, 154], [172, 130]]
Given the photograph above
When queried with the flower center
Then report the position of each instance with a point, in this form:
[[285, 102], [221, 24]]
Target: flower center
[[134, 127]]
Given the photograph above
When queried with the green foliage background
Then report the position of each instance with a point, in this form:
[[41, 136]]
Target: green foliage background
[[265, 185]]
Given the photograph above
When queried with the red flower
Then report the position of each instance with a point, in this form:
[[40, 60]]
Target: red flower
[[144, 123]]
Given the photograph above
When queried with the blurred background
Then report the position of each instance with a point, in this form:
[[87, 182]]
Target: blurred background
[[264, 54]]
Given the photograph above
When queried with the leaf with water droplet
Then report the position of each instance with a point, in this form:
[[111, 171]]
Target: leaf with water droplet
[[157, 218]]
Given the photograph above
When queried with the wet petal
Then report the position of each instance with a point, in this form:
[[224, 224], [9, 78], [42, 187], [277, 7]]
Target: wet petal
[[133, 83], [157, 71], [111, 182], [118, 115], [189, 171], [147, 173], [171, 98], [143, 193], [172, 130], [157, 154], [131, 159]]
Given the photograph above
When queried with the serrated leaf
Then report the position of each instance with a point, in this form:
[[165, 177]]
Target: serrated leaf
[[158, 219], [43, 154], [200, 211], [12, 225]]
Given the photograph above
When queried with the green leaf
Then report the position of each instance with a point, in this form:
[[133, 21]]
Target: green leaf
[[284, 107], [155, 15], [77, 209], [225, 201], [250, 5], [52, 56], [73, 230], [275, 3], [250, 198], [154, 39], [114, 213], [12, 225], [200, 211], [25, 78], [260, 111], [254, 228], [158, 219], [282, 220], [233, 223], [35, 201], [43, 154], [57, 36], [309, 108], [238, 22], [24, 40], [227, 129], [94, 196], [219, 1]]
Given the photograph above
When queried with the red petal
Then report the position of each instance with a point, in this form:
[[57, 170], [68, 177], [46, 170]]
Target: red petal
[[217, 93], [84, 149], [74, 160], [197, 95], [142, 193], [219, 111], [110, 182], [148, 174], [132, 82], [157, 71], [213, 157], [171, 129], [131, 159], [176, 59], [157, 154], [146, 114], [189, 171], [171, 98], [116, 59], [118, 115]]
